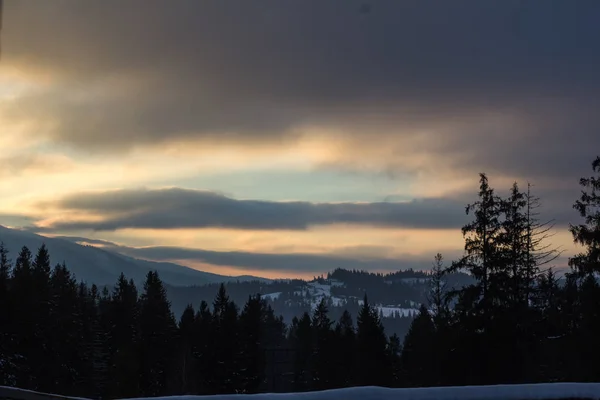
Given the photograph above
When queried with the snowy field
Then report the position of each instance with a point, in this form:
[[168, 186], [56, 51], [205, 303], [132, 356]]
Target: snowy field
[[550, 391], [545, 391]]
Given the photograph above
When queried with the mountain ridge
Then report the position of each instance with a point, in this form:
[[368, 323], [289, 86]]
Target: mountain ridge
[[102, 267]]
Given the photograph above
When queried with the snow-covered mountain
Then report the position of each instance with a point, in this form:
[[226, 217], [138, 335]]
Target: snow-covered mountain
[[102, 267]]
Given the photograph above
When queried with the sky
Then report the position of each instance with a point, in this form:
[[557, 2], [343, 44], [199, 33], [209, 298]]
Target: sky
[[287, 138]]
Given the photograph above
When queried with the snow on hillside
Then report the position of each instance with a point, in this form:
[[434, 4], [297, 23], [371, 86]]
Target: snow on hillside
[[388, 311], [271, 296], [543, 391], [316, 291]]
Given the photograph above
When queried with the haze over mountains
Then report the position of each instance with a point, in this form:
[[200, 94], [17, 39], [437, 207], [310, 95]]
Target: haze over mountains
[[103, 267]]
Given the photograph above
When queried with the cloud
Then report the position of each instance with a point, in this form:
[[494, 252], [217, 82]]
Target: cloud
[[16, 220], [33, 164], [181, 208], [431, 92], [142, 73], [301, 263]]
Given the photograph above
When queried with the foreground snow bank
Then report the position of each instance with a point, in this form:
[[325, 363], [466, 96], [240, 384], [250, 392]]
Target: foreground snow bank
[[544, 391], [7, 392]]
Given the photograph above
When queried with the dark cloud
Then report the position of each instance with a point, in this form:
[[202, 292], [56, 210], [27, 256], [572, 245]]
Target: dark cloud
[[181, 208], [16, 220], [285, 262], [147, 71]]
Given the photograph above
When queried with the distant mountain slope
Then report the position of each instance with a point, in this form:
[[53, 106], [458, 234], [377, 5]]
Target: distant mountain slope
[[102, 267]]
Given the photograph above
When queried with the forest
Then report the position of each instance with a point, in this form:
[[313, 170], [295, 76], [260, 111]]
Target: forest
[[517, 322]]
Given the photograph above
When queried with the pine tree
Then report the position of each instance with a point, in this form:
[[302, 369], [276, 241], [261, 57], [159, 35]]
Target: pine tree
[[225, 344], [252, 330], [187, 368], [64, 333], [418, 351], [345, 345], [157, 330], [587, 234], [482, 254], [202, 349], [27, 344], [303, 343], [323, 345], [7, 336], [477, 308], [438, 297], [373, 363], [122, 322]]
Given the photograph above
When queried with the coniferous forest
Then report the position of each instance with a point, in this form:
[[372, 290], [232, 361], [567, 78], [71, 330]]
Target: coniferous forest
[[517, 323]]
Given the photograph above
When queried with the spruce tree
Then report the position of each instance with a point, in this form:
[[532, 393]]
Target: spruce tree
[[345, 347], [303, 343], [373, 363], [26, 330], [157, 330], [225, 345], [7, 323], [478, 304], [482, 253], [64, 331], [202, 349], [418, 351], [122, 318], [252, 336], [187, 364], [323, 346], [587, 234]]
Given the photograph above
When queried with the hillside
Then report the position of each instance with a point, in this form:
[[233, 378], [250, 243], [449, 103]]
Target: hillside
[[396, 295], [102, 267]]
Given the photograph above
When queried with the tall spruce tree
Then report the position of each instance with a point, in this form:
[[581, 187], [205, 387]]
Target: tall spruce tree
[[373, 363], [418, 351], [26, 332], [477, 304], [252, 336], [7, 324], [301, 337], [323, 345], [64, 331], [482, 253], [185, 351], [225, 344], [587, 234], [345, 351], [157, 334], [202, 349], [123, 340], [586, 266]]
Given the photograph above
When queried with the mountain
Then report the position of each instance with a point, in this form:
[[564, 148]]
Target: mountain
[[102, 267]]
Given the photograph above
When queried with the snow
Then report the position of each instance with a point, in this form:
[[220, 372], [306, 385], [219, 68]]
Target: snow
[[315, 292], [271, 296], [389, 311], [18, 394], [414, 280], [543, 391]]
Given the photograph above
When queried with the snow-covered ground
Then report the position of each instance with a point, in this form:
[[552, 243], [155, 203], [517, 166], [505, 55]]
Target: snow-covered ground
[[271, 296], [544, 391]]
